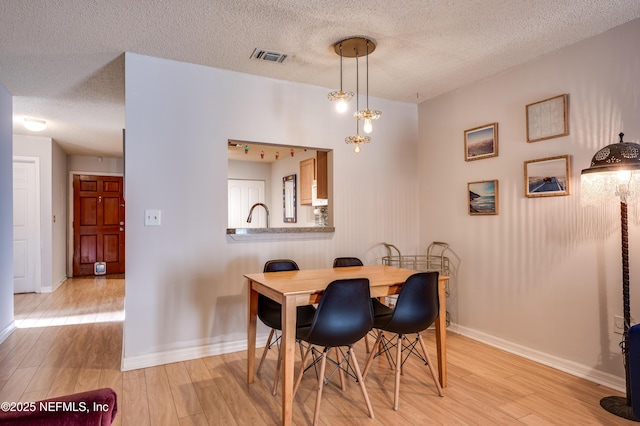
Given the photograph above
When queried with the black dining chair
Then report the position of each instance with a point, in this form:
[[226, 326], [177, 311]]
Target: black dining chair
[[416, 310], [270, 313], [340, 262], [343, 317], [378, 307]]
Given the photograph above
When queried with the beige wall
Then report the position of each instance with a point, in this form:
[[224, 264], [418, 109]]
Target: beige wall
[[542, 278]]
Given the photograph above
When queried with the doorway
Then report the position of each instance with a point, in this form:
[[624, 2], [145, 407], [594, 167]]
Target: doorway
[[98, 224]]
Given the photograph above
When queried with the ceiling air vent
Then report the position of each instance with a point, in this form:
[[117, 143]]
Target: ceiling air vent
[[268, 55]]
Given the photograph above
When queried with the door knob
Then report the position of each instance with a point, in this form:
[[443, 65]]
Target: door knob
[[122, 228]]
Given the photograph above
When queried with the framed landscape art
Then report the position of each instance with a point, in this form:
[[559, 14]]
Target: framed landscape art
[[482, 197], [547, 177], [547, 119], [481, 142]]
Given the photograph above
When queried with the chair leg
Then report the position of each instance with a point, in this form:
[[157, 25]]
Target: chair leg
[[340, 372], [301, 372], [371, 355], [323, 365], [264, 353], [430, 365], [396, 393], [361, 381], [366, 342], [275, 380]]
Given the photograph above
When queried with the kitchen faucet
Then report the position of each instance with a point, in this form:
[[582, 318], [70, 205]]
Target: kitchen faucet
[[253, 207]]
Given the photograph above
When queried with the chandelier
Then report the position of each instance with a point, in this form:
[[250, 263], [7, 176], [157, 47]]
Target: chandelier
[[355, 47]]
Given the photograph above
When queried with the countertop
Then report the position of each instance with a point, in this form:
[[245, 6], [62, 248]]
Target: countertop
[[291, 232]]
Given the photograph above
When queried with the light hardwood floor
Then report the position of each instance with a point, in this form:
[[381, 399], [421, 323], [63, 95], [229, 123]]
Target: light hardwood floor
[[71, 341]]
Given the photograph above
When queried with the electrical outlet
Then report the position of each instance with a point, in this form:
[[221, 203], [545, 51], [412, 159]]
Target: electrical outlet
[[152, 218], [618, 324]]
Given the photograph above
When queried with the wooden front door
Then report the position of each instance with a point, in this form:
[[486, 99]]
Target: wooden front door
[[98, 223]]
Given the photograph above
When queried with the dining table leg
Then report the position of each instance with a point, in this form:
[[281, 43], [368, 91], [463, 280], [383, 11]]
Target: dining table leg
[[288, 349], [252, 324], [441, 333]]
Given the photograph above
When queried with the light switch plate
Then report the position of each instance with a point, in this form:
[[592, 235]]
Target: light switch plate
[[152, 218]]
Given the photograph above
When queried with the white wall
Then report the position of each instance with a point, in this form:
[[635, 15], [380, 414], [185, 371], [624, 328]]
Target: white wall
[[185, 293], [59, 178], [542, 278], [93, 164], [53, 195], [6, 214]]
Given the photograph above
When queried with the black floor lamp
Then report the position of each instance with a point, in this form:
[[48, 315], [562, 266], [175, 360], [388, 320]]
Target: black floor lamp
[[614, 175]]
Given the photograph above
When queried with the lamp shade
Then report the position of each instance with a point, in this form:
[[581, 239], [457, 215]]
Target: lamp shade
[[614, 174]]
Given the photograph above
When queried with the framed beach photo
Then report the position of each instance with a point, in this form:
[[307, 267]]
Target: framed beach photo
[[481, 142], [547, 119], [483, 197], [547, 177]]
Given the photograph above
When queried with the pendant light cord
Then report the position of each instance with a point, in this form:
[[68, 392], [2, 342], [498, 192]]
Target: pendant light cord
[[340, 67], [367, 75], [357, 89]]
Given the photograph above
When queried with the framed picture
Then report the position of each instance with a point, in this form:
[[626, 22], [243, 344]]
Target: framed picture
[[547, 177], [547, 119], [290, 213], [483, 197], [481, 142]]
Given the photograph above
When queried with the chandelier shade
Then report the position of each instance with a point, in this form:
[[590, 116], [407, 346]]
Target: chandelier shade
[[367, 115], [339, 96]]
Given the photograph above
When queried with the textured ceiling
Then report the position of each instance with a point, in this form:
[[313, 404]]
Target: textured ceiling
[[63, 61]]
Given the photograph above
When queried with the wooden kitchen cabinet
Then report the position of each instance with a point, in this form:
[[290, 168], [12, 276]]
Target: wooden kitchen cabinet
[[310, 170]]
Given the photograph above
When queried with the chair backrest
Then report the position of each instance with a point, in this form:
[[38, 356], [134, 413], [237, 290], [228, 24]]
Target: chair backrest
[[340, 262], [417, 305], [269, 310], [278, 265], [344, 314]]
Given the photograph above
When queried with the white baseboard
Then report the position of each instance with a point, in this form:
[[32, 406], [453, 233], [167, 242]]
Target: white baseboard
[[54, 287], [185, 354], [59, 283], [7, 331], [579, 370]]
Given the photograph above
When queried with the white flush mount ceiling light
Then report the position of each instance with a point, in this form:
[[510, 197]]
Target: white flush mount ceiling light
[[34, 124]]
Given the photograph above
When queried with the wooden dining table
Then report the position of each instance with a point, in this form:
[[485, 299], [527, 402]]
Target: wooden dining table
[[305, 287]]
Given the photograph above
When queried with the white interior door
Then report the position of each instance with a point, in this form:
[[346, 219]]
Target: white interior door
[[242, 195], [26, 225]]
